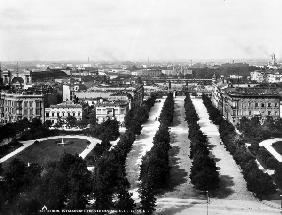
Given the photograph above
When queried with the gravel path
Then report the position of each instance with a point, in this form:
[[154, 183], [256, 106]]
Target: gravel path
[[93, 142], [176, 206], [268, 145], [141, 146], [233, 185]]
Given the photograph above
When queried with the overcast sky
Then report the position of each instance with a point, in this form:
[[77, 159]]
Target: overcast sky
[[137, 29]]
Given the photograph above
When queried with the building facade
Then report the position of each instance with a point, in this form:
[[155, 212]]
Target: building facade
[[16, 106], [62, 111], [111, 110], [235, 103], [17, 79]]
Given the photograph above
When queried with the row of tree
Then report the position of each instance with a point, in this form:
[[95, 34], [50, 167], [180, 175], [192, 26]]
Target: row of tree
[[154, 173], [139, 115], [62, 184], [67, 184], [204, 174], [110, 182], [261, 184]]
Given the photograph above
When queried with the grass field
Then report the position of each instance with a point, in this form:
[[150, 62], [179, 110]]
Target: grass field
[[49, 150], [278, 147]]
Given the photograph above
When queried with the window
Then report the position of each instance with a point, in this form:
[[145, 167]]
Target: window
[[73, 113], [78, 114], [262, 104], [68, 114], [256, 104], [47, 114], [53, 114], [269, 113], [25, 104], [250, 113], [58, 114], [63, 113], [30, 103], [38, 112], [276, 104], [38, 104], [269, 105]]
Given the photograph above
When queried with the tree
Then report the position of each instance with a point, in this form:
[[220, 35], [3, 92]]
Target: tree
[[204, 173], [71, 121], [105, 144], [54, 188], [35, 123], [148, 200], [92, 118], [14, 177], [125, 204], [260, 183], [59, 123], [47, 123], [28, 205]]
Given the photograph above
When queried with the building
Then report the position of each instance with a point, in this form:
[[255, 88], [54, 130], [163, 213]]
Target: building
[[152, 72], [18, 79], [235, 103], [133, 94], [111, 110], [268, 76], [257, 76], [16, 106], [274, 78], [62, 111]]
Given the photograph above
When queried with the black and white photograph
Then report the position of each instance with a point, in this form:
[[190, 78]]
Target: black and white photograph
[[141, 107]]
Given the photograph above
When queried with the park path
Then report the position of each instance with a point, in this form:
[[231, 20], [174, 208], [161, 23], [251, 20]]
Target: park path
[[180, 163], [233, 185], [176, 206], [86, 151], [268, 145], [235, 199], [141, 146]]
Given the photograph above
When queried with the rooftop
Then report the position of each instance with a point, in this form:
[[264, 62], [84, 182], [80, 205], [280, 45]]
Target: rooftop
[[67, 104], [112, 104], [253, 91]]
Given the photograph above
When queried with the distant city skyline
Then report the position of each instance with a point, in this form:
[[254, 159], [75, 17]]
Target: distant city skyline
[[121, 30]]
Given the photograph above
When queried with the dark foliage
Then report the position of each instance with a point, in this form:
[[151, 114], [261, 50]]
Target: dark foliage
[[154, 172], [258, 182], [204, 173]]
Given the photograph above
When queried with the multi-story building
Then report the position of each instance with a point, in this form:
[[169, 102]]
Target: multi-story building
[[268, 76], [152, 72], [235, 103], [111, 110], [257, 76], [62, 111], [16, 106]]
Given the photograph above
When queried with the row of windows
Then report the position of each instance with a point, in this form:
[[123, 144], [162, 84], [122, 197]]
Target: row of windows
[[19, 103], [256, 104], [264, 105], [63, 114], [107, 110], [269, 113]]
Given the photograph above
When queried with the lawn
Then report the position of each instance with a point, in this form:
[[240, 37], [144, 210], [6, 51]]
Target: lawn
[[49, 150], [278, 147]]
